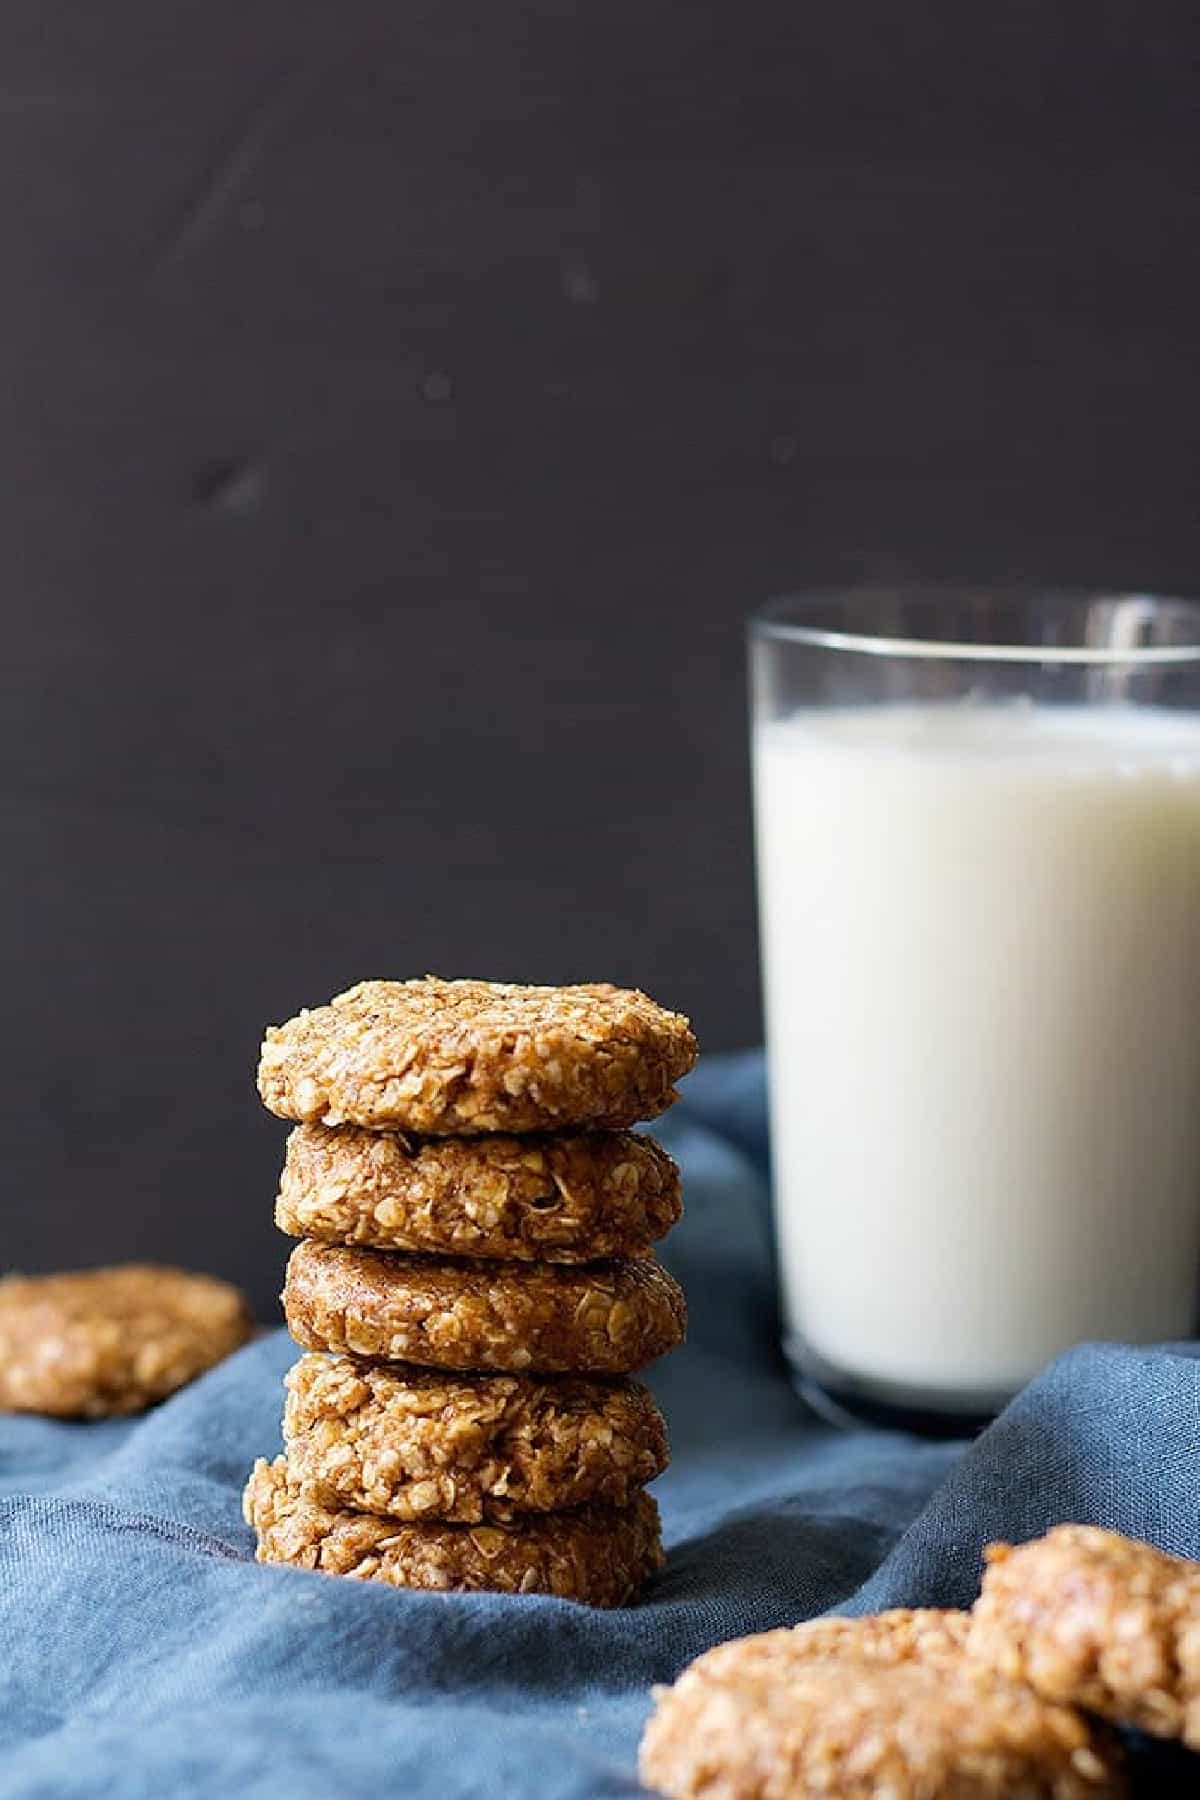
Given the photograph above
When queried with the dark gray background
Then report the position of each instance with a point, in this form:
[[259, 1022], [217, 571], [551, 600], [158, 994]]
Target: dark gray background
[[400, 408]]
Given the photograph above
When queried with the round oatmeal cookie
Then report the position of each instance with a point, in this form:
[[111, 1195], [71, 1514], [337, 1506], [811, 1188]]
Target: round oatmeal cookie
[[1100, 1620], [99, 1342], [455, 1058], [599, 1555], [861, 1708], [568, 1198], [440, 1312], [427, 1445]]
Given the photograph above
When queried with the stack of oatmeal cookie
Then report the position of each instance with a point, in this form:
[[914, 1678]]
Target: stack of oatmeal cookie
[[475, 1287]]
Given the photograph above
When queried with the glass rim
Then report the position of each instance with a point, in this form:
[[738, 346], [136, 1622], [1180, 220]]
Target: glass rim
[[776, 620]]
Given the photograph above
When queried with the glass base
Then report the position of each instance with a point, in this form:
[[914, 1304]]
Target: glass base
[[852, 1401]]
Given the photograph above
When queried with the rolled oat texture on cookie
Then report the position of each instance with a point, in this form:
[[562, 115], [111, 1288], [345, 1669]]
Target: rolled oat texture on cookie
[[410, 1444], [463, 1057], [599, 1555], [864, 1708], [567, 1197], [100, 1342], [600, 1318], [1100, 1620]]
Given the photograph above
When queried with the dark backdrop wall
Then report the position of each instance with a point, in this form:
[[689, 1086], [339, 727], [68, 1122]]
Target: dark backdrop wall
[[401, 408]]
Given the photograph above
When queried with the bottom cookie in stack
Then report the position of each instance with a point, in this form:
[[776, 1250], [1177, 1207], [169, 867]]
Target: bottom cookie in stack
[[599, 1555]]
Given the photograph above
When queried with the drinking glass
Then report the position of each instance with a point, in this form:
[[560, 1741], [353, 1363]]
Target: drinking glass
[[978, 843]]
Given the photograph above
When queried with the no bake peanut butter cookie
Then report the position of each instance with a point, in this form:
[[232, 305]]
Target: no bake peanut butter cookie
[[463, 1057], [604, 1318], [568, 1198], [1100, 1620], [599, 1555], [106, 1341], [412, 1445], [859, 1709]]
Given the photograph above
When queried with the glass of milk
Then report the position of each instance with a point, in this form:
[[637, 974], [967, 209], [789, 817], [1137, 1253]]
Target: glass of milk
[[978, 839]]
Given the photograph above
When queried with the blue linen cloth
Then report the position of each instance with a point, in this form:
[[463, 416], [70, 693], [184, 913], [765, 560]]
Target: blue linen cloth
[[144, 1653]]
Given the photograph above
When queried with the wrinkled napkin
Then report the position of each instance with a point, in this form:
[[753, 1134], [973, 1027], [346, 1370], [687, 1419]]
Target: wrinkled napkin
[[144, 1652]]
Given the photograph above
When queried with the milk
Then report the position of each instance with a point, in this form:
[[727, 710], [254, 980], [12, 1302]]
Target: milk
[[981, 935]]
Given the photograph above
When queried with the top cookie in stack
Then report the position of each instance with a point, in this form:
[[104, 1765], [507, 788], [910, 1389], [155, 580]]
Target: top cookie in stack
[[474, 1203], [449, 1058]]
